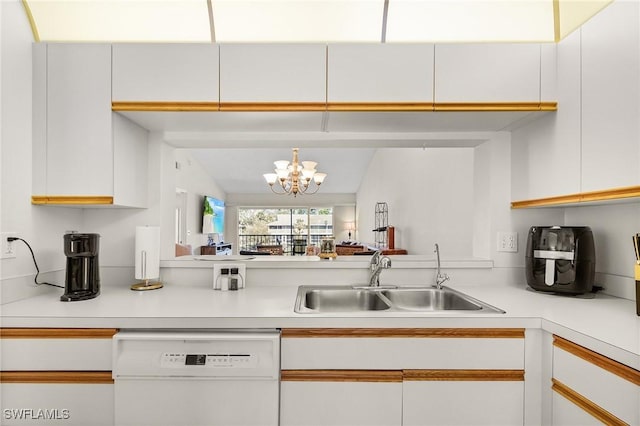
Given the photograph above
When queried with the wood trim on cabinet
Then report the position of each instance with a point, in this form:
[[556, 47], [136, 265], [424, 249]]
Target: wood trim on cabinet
[[272, 106], [586, 405], [496, 333], [581, 197], [177, 106], [385, 376], [630, 374], [71, 199], [165, 106], [464, 375], [495, 106], [72, 377], [57, 333], [380, 106]]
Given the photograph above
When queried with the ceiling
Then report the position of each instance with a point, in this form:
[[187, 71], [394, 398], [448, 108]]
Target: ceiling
[[230, 21], [239, 171]]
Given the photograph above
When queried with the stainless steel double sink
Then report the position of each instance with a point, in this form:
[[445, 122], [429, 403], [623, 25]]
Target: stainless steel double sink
[[345, 299]]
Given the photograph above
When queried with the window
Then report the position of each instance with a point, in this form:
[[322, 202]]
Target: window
[[291, 228]]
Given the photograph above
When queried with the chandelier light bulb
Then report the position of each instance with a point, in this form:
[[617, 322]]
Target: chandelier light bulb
[[270, 178], [281, 164], [318, 178]]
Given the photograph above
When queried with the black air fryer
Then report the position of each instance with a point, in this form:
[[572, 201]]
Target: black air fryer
[[561, 259], [82, 278]]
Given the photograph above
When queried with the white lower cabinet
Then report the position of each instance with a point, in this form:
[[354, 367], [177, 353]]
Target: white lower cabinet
[[402, 377], [336, 403], [459, 402], [57, 403], [56, 376], [589, 388], [567, 413]]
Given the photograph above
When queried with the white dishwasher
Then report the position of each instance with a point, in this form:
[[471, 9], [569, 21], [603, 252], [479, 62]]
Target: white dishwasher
[[197, 378]]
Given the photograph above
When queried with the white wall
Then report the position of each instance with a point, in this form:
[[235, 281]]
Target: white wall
[[612, 226], [342, 215], [192, 177], [42, 227], [492, 205], [429, 193]]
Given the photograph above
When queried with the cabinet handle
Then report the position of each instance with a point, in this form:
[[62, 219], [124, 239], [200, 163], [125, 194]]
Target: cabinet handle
[[491, 333], [57, 333], [51, 377], [630, 374], [586, 405], [464, 375], [341, 376]]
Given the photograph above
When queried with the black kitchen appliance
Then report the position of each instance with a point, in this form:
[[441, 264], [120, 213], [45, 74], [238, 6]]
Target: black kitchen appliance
[[561, 259], [82, 278]]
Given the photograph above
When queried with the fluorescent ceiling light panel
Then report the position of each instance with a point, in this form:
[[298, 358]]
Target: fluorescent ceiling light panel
[[121, 20], [470, 20], [297, 20], [303, 21]]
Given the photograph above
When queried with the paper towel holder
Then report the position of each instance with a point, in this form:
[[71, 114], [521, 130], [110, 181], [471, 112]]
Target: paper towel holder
[[147, 258]]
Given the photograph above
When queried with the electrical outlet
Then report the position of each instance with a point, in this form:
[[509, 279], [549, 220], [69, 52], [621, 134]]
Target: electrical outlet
[[8, 248], [508, 242]]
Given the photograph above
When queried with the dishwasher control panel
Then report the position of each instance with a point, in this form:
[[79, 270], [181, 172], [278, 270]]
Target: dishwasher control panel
[[182, 360]]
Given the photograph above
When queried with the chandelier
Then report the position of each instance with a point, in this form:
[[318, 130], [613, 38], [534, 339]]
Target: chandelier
[[295, 178]]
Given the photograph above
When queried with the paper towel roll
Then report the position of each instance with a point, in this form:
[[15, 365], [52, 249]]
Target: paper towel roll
[[147, 252]]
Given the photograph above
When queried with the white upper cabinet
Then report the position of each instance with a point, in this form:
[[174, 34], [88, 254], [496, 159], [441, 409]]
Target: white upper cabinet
[[81, 148], [380, 73], [186, 72], [78, 137], [487, 72], [611, 98], [273, 73], [546, 153]]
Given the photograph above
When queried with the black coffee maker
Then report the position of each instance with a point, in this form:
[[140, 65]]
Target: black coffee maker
[[82, 278]]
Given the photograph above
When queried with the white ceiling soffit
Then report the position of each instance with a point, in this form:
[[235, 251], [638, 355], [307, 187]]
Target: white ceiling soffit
[[239, 171], [322, 126], [308, 20]]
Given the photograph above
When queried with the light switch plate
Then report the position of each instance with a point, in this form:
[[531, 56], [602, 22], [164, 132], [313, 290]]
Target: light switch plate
[[508, 242]]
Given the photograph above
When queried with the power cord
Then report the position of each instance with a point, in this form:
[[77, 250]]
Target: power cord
[[11, 239]]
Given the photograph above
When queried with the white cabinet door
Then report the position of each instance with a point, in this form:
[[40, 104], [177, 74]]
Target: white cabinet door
[[64, 404], [340, 403], [185, 72], [602, 388], [487, 72], [611, 98], [81, 148], [462, 403], [402, 353], [79, 137], [566, 413], [380, 73], [546, 153], [273, 73], [130, 149]]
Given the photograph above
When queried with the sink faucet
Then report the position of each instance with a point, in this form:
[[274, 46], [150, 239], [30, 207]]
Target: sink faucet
[[376, 265], [440, 277]]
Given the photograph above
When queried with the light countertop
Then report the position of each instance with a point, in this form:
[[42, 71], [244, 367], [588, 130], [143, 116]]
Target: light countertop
[[605, 324]]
